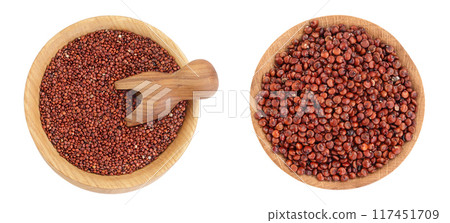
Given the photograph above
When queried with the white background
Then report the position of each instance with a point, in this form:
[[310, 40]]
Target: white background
[[224, 175]]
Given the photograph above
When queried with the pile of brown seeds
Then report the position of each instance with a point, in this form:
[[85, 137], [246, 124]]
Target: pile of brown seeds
[[83, 114], [337, 104]]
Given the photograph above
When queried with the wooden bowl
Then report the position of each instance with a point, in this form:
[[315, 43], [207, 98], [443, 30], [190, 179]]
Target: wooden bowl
[[76, 176], [280, 45]]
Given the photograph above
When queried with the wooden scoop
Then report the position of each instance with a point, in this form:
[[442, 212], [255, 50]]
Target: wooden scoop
[[162, 91]]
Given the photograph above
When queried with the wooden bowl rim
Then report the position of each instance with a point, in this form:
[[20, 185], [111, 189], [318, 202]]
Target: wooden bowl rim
[[76, 176], [296, 32]]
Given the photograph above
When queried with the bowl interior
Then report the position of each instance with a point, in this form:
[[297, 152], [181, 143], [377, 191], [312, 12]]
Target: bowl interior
[[90, 181], [280, 45]]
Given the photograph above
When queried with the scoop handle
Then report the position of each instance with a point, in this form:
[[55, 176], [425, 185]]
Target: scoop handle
[[198, 77]]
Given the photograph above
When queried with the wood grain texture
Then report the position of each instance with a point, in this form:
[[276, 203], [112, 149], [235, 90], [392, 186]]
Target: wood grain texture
[[267, 62], [161, 92], [78, 177]]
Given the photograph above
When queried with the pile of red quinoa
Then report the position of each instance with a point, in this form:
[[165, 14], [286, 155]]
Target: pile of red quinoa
[[338, 104], [83, 114]]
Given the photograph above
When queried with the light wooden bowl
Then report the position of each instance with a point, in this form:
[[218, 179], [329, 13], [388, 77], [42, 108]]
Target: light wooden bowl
[[280, 45], [78, 177]]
